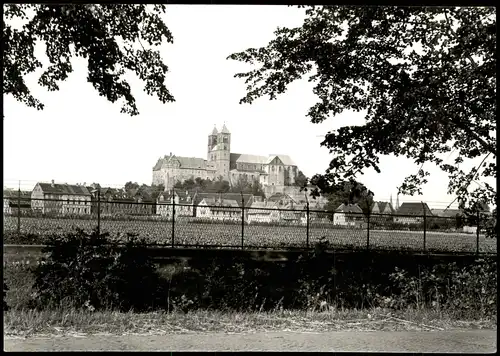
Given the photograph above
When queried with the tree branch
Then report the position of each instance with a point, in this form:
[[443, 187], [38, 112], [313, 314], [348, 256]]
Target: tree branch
[[472, 178], [488, 147], [450, 30]]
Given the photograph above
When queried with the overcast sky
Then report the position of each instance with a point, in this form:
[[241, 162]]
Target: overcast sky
[[81, 137]]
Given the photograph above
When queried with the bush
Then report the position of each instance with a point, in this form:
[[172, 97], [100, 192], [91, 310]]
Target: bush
[[93, 271], [24, 238], [468, 291]]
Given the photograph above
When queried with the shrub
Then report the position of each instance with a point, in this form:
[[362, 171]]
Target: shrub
[[93, 271], [468, 291]]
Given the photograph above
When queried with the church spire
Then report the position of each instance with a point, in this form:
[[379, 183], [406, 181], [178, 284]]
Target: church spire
[[224, 129], [391, 201], [214, 131], [397, 202]]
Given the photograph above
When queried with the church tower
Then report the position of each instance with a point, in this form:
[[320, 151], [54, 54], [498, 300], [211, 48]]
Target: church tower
[[212, 142], [221, 153]]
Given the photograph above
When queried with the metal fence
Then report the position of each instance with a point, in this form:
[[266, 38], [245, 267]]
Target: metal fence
[[238, 224]]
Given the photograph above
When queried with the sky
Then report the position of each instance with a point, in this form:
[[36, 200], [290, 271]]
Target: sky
[[81, 137]]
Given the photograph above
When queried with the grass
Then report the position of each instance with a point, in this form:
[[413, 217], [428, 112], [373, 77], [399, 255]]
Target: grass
[[64, 321], [271, 236], [23, 322]]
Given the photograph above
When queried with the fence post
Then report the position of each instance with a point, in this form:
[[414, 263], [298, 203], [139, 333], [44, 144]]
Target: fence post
[[477, 232], [307, 225], [98, 210], [19, 210], [242, 220], [368, 232], [425, 225], [173, 217]]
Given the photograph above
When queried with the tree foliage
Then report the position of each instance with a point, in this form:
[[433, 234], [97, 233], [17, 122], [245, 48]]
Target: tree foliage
[[243, 185], [114, 38], [424, 77], [131, 188], [301, 180], [204, 185], [349, 192]]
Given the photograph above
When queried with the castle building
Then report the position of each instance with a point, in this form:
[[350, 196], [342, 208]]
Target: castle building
[[274, 170]]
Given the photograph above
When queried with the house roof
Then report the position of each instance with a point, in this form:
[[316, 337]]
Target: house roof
[[244, 158], [287, 161], [185, 197], [382, 205], [279, 196], [64, 189], [263, 208], [226, 205], [247, 198], [350, 208], [15, 194], [446, 212], [116, 195], [414, 209]]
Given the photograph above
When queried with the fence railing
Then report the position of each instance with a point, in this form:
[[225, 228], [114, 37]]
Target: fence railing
[[239, 224]]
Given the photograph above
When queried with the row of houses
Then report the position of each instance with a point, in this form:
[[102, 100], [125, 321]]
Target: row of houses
[[66, 199], [407, 213]]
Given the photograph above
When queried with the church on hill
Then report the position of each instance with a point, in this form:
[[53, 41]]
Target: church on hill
[[276, 170]]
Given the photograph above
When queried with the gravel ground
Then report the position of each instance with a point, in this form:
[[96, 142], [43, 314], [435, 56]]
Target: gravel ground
[[470, 341]]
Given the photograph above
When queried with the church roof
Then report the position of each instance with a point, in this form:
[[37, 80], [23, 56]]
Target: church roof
[[185, 162], [214, 131], [191, 162], [287, 161], [224, 129], [244, 158]]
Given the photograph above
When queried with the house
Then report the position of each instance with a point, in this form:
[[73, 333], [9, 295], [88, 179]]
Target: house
[[412, 213], [381, 207], [226, 210], [61, 199], [348, 215], [266, 211], [15, 200], [183, 199], [213, 199], [219, 209], [143, 204], [294, 213], [112, 201]]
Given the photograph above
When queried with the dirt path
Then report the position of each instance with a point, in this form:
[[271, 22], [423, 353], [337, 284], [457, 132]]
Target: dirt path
[[470, 341]]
